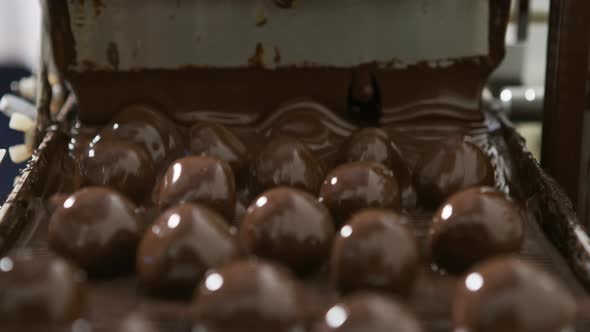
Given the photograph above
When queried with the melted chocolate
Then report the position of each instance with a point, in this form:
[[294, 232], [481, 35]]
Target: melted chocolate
[[364, 98], [97, 229], [148, 128], [375, 249], [358, 185], [368, 312], [35, 291], [248, 296], [287, 162], [509, 295], [203, 180], [472, 225], [452, 165], [213, 140], [181, 245], [289, 226], [118, 164]]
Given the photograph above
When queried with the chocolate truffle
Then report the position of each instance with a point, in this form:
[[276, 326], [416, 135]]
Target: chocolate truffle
[[358, 185], [248, 296], [375, 250], [181, 245], [40, 290], [509, 295], [205, 180], [472, 225], [368, 312], [97, 229], [289, 226], [207, 139], [118, 164], [374, 144], [148, 128], [287, 162], [450, 166]]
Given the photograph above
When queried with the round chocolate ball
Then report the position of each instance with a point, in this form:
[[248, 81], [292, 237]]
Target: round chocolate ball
[[481, 219], [205, 180], [289, 226], [248, 294], [368, 312], [207, 139], [373, 144], [509, 295], [97, 229], [40, 290], [181, 245], [148, 128], [118, 164], [453, 165], [287, 162], [375, 250], [358, 185]]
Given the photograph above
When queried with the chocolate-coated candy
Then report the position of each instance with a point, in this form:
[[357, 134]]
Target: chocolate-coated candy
[[207, 139], [287, 162], [149, 129], [472, 225], [248, 296], [118, 164], [375, 250], [290, 226], [97, 229], [40, 290], [374, 144], [368, 312], [506, 294], [450, 166], [205, 180], [358, 185], [181, 245]]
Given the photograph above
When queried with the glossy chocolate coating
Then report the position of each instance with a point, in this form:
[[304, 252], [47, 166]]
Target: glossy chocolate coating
[[118, 164], [55, 201], [368, 312], [40, 290], [374, 144], [97, 229], [472, 225], [358, 185], [451, 166], [375, 250], [205, 180], [289, 226], [287, 162], [509, 295], [181, 245], [148, 128], [248, 296], [208, 139]]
